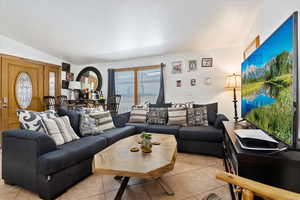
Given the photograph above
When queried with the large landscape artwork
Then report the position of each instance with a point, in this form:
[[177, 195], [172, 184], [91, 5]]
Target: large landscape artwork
[[267, 96]]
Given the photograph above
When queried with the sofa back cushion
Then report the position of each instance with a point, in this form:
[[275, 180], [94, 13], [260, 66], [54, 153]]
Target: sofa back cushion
[[212, 111], [165, 105]]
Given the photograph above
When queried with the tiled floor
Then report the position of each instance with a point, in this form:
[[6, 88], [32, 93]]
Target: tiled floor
[[192, 179]]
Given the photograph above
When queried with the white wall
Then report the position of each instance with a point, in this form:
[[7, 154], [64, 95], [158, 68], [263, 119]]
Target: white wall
[[12, 47], [226, 61]]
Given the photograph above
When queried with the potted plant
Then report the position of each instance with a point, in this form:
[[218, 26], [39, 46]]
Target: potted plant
[[146, 144]]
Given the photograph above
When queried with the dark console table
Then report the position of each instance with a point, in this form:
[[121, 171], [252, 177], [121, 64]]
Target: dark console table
[[276, 169]]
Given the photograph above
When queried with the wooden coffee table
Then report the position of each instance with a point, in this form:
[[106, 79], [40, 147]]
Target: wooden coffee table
[[118, 160]]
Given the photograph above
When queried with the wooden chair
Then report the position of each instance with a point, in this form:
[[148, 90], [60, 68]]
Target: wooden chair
[[49, 102], [113, 104], [62, 101], [250, 188]]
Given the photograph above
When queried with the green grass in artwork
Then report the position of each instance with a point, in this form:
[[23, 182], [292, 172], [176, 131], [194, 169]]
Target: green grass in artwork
[[276, 118], [250, 88]]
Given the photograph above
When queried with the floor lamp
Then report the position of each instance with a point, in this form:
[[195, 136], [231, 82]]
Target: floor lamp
[[233, 82]]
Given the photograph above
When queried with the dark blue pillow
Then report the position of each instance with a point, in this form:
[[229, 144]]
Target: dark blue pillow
[[165, 105]]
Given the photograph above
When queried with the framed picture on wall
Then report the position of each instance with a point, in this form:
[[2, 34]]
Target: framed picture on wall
[[193, 82], [70, 76], [177, 67], [192, 65], [207, 62]]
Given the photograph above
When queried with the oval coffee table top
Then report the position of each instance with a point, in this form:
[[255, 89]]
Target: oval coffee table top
[[118, 160]]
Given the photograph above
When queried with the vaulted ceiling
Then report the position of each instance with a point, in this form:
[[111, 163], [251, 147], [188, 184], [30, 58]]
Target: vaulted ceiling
[[89, 31]]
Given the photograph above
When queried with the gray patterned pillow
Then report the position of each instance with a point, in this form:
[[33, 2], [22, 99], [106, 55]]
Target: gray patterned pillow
[[33, 121], [103, 119], [158, 116], [88, 125], [197, 116]]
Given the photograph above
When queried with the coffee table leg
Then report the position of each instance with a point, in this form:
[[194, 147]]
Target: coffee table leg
[[122, 188], [118, 178], [165, 187]]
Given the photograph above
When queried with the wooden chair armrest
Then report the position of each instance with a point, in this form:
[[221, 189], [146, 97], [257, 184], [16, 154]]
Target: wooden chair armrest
[[259, 189]]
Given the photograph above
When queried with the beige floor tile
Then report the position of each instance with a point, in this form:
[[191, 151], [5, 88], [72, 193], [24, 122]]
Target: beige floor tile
[[26, 195], [192, 178], [222, 192]]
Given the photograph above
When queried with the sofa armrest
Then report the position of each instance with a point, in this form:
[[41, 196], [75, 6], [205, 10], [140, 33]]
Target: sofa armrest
[[20, 152], [218, 123], [121, 119]]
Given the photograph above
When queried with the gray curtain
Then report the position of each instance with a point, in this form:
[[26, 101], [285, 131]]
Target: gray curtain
[[161, 95], [111, 87]]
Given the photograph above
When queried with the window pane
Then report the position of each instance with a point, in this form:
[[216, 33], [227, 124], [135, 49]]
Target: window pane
[[148, 85], [125, 87]]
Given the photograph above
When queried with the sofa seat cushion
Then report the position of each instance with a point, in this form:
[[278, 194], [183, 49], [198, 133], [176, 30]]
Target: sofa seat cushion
[[140, 127], [70, 153], [164, 129], [116, 134], [201, 133]]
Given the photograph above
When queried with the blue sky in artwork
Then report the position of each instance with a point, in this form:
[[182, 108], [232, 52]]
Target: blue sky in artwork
[[281, 40]]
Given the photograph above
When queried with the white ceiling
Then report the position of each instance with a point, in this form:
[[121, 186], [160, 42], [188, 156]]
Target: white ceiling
[[90, 31]]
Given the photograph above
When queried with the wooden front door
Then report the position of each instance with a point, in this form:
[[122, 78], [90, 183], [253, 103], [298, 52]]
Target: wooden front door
[[11, 69]]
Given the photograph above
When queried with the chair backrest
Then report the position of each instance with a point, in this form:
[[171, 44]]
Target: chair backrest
[[49, 102], [113, 103], [61, 100]]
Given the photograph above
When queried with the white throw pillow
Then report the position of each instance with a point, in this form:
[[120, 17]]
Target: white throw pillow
[[54, 131]]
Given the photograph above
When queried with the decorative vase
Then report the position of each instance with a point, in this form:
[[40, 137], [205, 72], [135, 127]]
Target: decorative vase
[[146, 145]]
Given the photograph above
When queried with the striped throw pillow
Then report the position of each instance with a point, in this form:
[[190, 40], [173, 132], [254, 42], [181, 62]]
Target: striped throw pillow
[[138, 114], [104, 120], [177, 116]]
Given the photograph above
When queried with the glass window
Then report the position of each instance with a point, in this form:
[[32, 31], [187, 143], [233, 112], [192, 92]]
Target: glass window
[[125, 86], [149, 84], [137, 90]]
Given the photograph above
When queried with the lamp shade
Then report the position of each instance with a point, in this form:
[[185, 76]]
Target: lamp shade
[[75, 85], [233, 81]]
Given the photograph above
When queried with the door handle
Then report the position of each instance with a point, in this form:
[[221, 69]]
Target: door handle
[[4, 104]]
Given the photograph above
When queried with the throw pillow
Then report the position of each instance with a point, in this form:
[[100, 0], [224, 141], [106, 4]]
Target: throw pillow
[[65, 128], [104, 120], [177, 116], [212, 110], [33, 121], [88, 125], [53, 131], [157, 116], [138, 114], [197, 116]]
